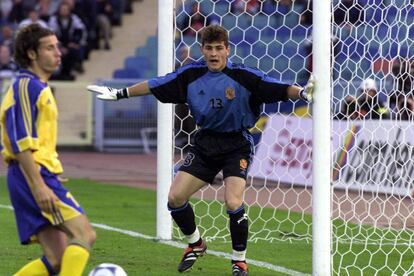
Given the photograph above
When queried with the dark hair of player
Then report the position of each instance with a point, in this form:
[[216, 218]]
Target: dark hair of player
[[28, 38], [214, 33]]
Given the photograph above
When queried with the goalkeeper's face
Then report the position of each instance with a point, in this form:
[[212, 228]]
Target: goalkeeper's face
[[215, 55]]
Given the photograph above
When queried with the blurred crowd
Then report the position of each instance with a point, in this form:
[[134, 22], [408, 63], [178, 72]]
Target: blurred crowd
[[371, 103], [81, 26]]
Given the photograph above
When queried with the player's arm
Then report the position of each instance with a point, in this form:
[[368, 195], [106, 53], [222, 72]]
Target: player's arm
[[171, 88], [294, 92], [43, 195], [304, 93], [113, 94]]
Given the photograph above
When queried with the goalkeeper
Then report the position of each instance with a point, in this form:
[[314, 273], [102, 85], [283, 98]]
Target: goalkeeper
[[224, 99]]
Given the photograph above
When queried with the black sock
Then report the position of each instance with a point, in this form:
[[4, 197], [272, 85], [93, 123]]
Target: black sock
[[184, 218], [239, 228]]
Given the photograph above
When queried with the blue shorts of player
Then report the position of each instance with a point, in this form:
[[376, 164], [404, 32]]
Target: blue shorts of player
[[231, 152], [29, 217]]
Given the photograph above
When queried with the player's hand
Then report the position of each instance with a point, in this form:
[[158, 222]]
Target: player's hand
[[307, 92], [108, 93], [45, 198]]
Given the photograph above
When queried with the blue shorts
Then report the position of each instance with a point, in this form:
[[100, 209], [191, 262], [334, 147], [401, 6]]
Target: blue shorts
[[30, 219]]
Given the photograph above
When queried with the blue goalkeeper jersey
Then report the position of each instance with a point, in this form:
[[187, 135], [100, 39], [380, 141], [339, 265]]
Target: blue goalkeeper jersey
[[225, 101]]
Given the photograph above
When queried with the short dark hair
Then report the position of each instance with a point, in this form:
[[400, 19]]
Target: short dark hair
[[28, 38], [214, 33]]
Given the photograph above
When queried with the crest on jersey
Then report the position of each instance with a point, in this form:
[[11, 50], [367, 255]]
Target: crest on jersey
[[243, 164], [230, 93]]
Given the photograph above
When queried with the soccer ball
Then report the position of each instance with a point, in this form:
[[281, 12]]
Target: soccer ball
[[107, 269]]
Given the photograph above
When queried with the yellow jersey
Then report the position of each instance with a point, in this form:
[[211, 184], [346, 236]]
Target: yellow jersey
[[28, 121]]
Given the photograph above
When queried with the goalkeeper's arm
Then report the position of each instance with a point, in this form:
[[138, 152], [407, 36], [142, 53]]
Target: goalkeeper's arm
[[113, 94], [304, 93]]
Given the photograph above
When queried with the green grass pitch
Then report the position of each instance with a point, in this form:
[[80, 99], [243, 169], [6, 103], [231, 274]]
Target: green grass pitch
[[135, 210]]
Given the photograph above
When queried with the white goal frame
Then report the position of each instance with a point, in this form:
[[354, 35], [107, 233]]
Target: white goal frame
[[321, 213]]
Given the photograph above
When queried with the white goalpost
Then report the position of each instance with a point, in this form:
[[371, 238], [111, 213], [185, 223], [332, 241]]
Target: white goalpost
[[321, 192], [337, 176], [164, 119]]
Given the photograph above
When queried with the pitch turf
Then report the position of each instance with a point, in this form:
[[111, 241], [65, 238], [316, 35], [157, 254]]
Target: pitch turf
[[134, 210]]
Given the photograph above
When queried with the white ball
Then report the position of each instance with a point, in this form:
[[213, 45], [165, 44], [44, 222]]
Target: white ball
[[107, 269]]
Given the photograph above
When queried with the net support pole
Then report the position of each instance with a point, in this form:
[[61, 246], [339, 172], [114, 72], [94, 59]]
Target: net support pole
[[321, 195], [164, 119]]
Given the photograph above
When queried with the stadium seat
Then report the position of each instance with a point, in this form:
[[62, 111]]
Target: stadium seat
[[275, 49], [283, 33], [146, 51], [259, 49], [268, 8], [126, 73], [251, 35], [206, 7], [221, 8], [291, 20], [260, 21], [138, 63], [242, 49], [290, 48], [244, 21], [189, 39], [228, 21], [236, 35], [266, 64], [152, 42]]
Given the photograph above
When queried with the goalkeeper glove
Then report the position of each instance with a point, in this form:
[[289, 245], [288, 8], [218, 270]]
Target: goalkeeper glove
[[307, 92], [108, 93]]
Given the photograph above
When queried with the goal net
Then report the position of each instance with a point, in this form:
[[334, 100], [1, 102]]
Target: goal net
[[372, 112]]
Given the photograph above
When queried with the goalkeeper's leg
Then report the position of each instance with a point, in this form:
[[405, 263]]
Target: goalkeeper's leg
[[239, 227], [183, 187]]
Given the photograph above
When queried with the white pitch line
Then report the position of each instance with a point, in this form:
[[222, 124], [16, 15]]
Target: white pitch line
[[181, 245]]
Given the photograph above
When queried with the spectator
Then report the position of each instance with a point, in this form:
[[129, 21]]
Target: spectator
[[7, 36], [72, 34], [7, 67], [5, 8], [17, 12], [86, 10], [306, 17], [349, 109], [193, 22], [45, 9], [33, 17], [402, 99], [240, 6], [118, 8], [104, 14], [284, 6], [370, 105]]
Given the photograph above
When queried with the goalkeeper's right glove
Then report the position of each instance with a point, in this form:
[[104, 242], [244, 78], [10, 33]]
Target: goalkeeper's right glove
[[108, 93], [307, 92]]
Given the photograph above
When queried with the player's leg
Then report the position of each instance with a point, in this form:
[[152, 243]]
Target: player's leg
[[235, 172], [69, 217], [53, 242], [239, 227], [183, 186], [82, 236]]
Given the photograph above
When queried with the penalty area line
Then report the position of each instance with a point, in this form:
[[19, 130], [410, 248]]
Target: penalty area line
[[182, 245]]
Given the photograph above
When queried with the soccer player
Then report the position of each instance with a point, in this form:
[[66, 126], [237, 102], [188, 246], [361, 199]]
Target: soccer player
[[45, 211], [224, 99]]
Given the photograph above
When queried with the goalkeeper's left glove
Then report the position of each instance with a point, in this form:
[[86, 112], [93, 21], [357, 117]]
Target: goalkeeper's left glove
[[307, 92], [109, 93]]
